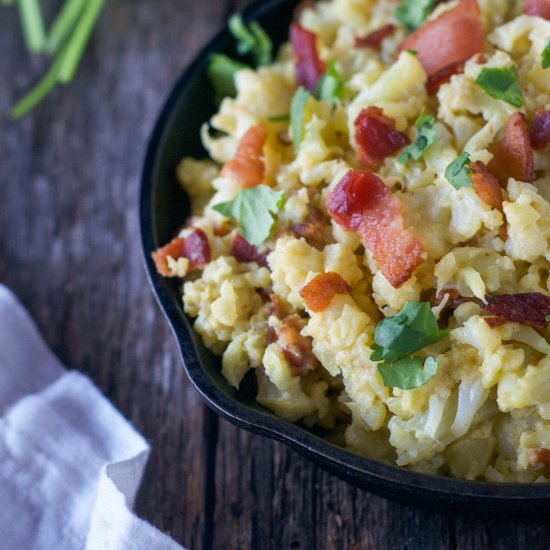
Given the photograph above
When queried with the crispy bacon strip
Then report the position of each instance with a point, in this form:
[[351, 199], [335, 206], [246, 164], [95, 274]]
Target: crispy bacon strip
[[320, 291], [530, 309], [374, 39], [247, 166], [194, 247], [449, 40], [363, 203], [537, 7], [245, 252], [486, 185], [443, 76], [297, 349], [376, 137], [312, 229], [309, 66], [539, 457], [539, 132], [513, 155]]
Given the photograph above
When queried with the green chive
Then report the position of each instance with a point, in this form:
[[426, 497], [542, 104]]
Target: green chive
[[32, 25], [79, 40], [64, 24], [40, 91]]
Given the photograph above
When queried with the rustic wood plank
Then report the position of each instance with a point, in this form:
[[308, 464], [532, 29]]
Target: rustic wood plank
[[69, 243]]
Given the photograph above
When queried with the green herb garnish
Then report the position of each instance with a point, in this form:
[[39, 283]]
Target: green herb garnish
[[254, 209], [279, 118], [426, 136], [331, 85], [221, 72], [413, 13], [501, 83], [458, 173], [251, 40], [297, 114], [397, 337], [548, 318], [545, 56]]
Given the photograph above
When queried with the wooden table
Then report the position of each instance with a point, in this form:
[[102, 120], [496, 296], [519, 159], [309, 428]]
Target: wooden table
[[69, 248]]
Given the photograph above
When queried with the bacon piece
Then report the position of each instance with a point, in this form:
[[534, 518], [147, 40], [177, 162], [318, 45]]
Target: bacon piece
[[194, 247], [513, 155], [376, 137], [308, 64], [297, 349], [539, 132], [537, 7], [247, 166], [443, 76], [320, 291], [245, 252], [530, 309], [539, 457], [363, 203], [375, 38], [312, 229], [451, 39], [486, 185]]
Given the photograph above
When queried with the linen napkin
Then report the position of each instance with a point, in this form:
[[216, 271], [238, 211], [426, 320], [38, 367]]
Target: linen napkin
[[70, 464]]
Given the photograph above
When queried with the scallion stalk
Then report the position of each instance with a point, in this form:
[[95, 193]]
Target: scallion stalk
[[63, 24], [32, 25], [79, 40]]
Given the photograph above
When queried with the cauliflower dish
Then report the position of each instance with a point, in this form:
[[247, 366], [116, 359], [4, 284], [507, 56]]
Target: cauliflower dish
[[369, 238]]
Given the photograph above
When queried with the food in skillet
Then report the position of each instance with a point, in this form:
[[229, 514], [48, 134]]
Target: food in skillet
[[370, 237]]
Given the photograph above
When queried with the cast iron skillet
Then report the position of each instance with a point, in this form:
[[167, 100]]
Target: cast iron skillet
[[164, 207]]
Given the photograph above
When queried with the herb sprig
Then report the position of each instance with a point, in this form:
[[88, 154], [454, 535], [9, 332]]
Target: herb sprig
[[65, 42], [397, 338]]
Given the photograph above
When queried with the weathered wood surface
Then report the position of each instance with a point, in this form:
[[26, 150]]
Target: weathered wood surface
[[69, 248]]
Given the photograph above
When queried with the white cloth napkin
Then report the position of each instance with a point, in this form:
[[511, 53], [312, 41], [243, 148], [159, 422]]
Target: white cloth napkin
[[70, 464]]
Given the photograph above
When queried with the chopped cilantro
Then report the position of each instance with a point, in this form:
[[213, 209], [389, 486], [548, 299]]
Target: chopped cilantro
[[501, 83], [545, 56], [548, 318], [297, 115], [251, 40], [408, 373], [331, 85], [413, 13], [426, 136], [458, 173], [397, 337], [254, 209], [279, 118], [221, 72]]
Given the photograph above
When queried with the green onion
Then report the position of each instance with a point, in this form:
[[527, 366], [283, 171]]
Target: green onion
[[32, 25], [79, 39], [63, 24], [40, 91]]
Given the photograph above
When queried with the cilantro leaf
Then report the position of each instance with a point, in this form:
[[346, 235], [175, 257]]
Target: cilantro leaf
[[297, 114], [408, 373], [413, 13], [413, 329], [501, 83], [254, 209], [458, 173], [545, 56], [397, 337], [331, 85], [221, 72], [426, 136], [548, 318], [251, 40], [279, 118]]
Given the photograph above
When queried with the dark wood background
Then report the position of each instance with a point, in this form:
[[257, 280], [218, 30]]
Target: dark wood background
[[69, 248]]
